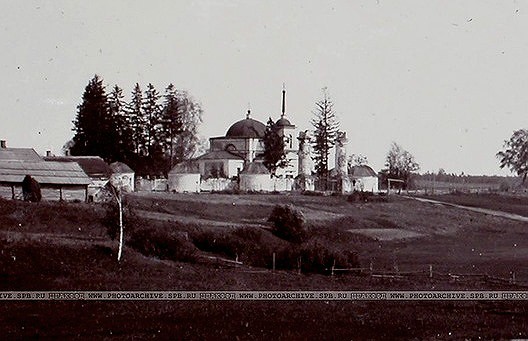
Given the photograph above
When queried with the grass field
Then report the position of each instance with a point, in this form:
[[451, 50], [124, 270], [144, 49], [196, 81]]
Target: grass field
[[59, 246], [500, 202]]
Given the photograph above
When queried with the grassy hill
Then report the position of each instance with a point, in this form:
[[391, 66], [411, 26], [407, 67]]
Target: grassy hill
[[65, 246]]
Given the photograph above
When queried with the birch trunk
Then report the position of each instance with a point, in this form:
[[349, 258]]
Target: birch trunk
[[119, 203]]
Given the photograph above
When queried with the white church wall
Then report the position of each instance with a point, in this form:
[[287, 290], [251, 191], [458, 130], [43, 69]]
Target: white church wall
[[217, 184], [256, 182], [283, 184], [184, 183]]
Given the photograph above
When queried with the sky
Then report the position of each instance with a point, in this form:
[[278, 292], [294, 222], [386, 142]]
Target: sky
[[447, 80]]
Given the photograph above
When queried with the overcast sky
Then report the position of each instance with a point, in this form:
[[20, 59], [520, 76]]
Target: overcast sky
[[448, 80]]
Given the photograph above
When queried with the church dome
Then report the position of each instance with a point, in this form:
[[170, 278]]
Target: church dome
[[283, 122], [247, 128]]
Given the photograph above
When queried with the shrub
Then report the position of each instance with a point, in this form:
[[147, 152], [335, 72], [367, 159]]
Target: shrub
[[288, 223], [220, 242], [163, 244], [244, 243], [316, 257], [313, 193], [360, 196]]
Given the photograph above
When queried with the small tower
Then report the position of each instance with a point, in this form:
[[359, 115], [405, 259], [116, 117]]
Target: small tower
[[340, 154], [304, 180], [288, 132], [341, 167], [304, 153]]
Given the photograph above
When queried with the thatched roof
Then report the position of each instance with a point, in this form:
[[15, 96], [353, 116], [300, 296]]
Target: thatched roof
[[45, 172], [94, 166], [255, 168]]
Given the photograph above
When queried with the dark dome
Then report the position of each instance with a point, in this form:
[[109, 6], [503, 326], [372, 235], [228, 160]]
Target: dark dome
[[283, 122], [247, 128]]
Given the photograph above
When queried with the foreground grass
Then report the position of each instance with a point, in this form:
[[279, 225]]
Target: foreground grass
[[50, 246]]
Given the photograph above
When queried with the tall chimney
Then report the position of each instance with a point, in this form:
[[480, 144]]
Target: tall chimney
[[3, 144]]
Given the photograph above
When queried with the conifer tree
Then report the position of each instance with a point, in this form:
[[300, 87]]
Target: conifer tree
[[123, 131], [137, 121], [93, 126], [172, 121], [152, 114], [326, 128]]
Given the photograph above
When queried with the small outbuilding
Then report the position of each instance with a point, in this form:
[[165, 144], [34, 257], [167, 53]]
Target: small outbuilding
[[98, 171], [122, 176], [363, 178], [57, 180], [185, 177]]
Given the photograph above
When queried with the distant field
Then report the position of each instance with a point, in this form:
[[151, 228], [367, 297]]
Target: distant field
[[452, 186], [501, 202], [54, 246]]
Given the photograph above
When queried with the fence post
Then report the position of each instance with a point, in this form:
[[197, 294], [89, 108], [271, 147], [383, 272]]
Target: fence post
[[299, 263], [431, 271], [513, 277], [371, 267], [333, 267], [273, 261]]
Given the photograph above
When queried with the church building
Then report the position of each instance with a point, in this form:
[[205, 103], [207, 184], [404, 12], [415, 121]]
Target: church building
[[243, 144]]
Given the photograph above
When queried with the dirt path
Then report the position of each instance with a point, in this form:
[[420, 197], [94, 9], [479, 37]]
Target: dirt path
[[501, 214]]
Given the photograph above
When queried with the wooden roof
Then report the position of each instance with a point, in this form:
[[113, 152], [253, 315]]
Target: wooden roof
[[45, 172], [94, 166], [19, 154]]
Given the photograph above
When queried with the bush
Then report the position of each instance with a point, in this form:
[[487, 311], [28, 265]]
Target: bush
[[316, 257], [288, 223], [172, 245], [244, 243], [358, 196], [220, 242], [313, 193]]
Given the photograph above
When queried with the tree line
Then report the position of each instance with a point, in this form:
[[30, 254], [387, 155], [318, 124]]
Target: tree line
[[150, 133]]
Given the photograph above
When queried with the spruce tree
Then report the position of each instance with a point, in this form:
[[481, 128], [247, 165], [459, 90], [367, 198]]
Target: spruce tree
[[93, 125], [172, 121], [326, 128], [137, 121], [123, 132], [152, 114]]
